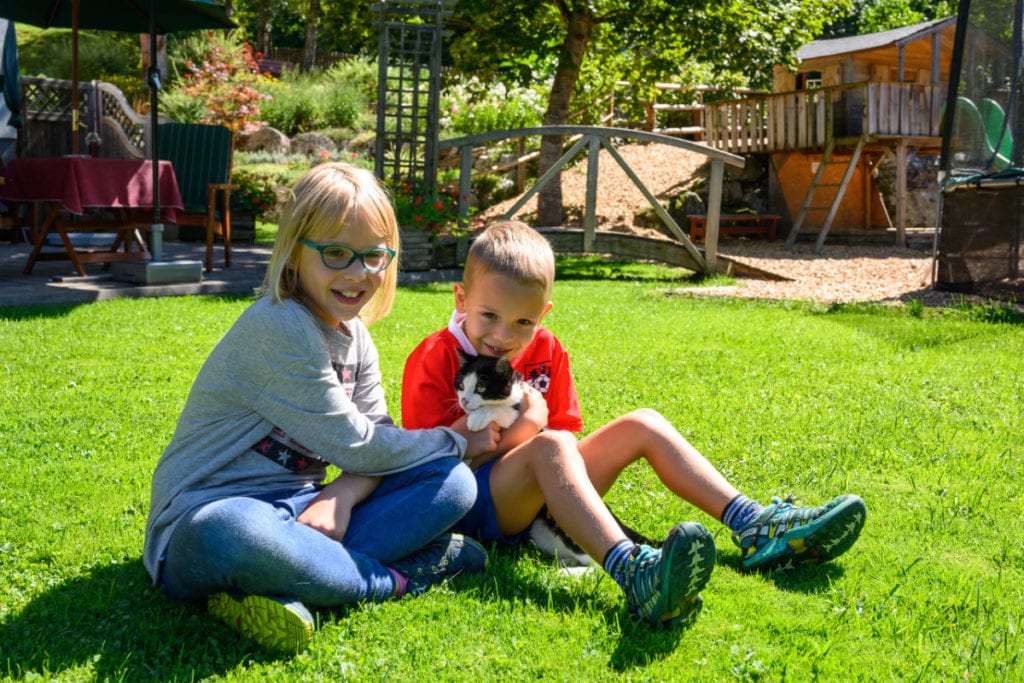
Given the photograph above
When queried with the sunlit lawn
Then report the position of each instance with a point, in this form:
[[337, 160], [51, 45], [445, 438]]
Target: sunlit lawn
[[919, 412]]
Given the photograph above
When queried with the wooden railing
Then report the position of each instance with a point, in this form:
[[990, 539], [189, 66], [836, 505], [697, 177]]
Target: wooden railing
[[677, 98], [593, 139], [810, 118]]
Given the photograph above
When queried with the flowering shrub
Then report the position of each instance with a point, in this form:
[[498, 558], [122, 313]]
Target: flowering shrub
[[437, 211], [225, 83], [476, 107], [254, 193]]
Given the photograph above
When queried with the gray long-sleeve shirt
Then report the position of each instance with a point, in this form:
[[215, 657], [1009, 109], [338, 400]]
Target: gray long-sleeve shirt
[[280, 369]]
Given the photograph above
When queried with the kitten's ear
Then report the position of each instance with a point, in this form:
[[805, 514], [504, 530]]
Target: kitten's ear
[[505, 366], [463, 356]]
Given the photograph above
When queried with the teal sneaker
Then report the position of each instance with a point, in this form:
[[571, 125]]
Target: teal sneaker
[[275, 623], [784, 536], [663, 586], [446, 556]]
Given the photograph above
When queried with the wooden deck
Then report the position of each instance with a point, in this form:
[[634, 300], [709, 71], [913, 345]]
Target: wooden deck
[[885, 114]]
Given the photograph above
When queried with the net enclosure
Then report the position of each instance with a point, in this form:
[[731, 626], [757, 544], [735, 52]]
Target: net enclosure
[[982, 216]]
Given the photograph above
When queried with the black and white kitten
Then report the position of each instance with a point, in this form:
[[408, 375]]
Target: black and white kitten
[[489, 390]]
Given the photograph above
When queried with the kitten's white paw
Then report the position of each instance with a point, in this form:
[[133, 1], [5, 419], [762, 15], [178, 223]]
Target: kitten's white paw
[[477, 420]]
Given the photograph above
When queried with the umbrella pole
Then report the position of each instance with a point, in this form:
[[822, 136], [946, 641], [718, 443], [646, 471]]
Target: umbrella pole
[[74, 76], [154, 86]]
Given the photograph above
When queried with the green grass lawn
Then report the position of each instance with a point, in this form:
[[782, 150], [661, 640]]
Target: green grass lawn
[[919, 412]]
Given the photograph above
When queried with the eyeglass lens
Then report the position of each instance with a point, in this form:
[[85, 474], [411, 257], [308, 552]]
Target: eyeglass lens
[[339, 258]]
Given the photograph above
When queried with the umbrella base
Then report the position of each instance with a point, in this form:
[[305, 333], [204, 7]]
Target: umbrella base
[[156, 272]]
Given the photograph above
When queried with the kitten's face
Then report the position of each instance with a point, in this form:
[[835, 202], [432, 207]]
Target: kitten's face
[[485, 380]]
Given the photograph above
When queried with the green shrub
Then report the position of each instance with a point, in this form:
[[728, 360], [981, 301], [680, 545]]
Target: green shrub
[[302, 102], [360, 74], [181, 107], [101, 54], [292, 110], [134, 87], [476, 107]]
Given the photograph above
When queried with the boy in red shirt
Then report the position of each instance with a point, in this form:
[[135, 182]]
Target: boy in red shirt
[[537, 461]]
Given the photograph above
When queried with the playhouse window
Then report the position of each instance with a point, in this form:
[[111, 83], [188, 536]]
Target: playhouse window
[[808, 80]]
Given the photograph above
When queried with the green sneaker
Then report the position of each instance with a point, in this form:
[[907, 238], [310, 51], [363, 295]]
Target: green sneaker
[[784, 536], [446, 556], [275, 623], [663, 586]]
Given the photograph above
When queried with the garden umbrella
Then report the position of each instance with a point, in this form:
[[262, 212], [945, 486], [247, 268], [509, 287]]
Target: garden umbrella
[[155, 17]]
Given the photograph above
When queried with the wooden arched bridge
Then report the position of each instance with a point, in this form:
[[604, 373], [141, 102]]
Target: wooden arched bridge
[[592, 139]]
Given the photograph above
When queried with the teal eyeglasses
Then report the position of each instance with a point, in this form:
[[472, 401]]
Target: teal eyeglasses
[[340, 257]]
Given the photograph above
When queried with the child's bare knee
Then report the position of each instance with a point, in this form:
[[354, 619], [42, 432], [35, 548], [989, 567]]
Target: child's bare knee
[[556, 445], [648, 418]]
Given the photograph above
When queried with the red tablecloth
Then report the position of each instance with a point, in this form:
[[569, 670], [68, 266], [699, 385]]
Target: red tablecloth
[[79, 183]]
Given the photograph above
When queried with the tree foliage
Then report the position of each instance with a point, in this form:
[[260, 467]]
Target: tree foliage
[[871, 16], [638, 40]]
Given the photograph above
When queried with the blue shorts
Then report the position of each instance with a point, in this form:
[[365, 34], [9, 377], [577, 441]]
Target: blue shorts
[[481, 522]]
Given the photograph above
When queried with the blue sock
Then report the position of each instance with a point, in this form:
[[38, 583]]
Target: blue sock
[[740, 512], [615, 560]]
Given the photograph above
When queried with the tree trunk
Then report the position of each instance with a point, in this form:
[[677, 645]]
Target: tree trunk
[[549, 198], [312, 23], [264, 24]]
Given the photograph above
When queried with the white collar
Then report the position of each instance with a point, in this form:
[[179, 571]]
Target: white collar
[[455, 327]]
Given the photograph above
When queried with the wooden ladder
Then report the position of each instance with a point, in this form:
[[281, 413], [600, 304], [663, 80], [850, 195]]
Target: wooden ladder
[[816, 184]]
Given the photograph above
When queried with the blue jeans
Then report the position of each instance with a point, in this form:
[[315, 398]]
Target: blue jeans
[[254, 545]]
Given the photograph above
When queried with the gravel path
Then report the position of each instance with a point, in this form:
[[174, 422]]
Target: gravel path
[[841, 273]]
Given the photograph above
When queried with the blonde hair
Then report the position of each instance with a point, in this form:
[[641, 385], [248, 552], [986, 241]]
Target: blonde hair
[[324, 201], [515, 250]]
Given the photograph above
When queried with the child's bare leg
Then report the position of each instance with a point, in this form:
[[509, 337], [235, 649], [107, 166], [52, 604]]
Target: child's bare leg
[[662, 586], [778, 536], [647, 434], [548, 469]]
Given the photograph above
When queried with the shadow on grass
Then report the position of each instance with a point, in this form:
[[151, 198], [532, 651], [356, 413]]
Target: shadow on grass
[[608, 268], [112, 623], [594, 595], [813, 578]]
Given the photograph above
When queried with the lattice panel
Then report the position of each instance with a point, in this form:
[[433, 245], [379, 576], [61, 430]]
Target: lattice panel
[[50, 100], [408, 90]]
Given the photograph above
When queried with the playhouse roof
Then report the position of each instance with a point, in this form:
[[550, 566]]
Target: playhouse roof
[[896, 37]]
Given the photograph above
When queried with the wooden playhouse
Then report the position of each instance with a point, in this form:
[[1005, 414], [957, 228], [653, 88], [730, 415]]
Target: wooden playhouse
[[828, 124]]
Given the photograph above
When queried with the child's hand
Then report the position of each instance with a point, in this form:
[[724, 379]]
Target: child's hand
[[480, 445], [330, 512], [533, 407]]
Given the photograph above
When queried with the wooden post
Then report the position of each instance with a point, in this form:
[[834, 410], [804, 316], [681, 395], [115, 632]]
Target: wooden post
[[714, 214], [465, 181], [866, 190], [901, 194], [521, 167], [590, 208]]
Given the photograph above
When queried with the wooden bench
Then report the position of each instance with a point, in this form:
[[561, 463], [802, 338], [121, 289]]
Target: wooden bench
[[755, 224], [274, 67]]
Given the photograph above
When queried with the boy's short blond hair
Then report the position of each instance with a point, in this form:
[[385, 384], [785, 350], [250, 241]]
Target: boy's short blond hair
[[323, 202], [515, 250]]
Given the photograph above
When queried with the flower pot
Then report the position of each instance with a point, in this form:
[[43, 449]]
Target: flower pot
[[417, 250], [243, 226]]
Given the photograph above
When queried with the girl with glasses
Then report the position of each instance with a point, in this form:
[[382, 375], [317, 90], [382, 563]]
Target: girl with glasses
[[237, 516]]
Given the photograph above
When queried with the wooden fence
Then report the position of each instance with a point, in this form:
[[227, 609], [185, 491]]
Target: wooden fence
[[102, 107], [811, 118]]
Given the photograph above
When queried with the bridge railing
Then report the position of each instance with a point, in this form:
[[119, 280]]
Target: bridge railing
[[592, 139]]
